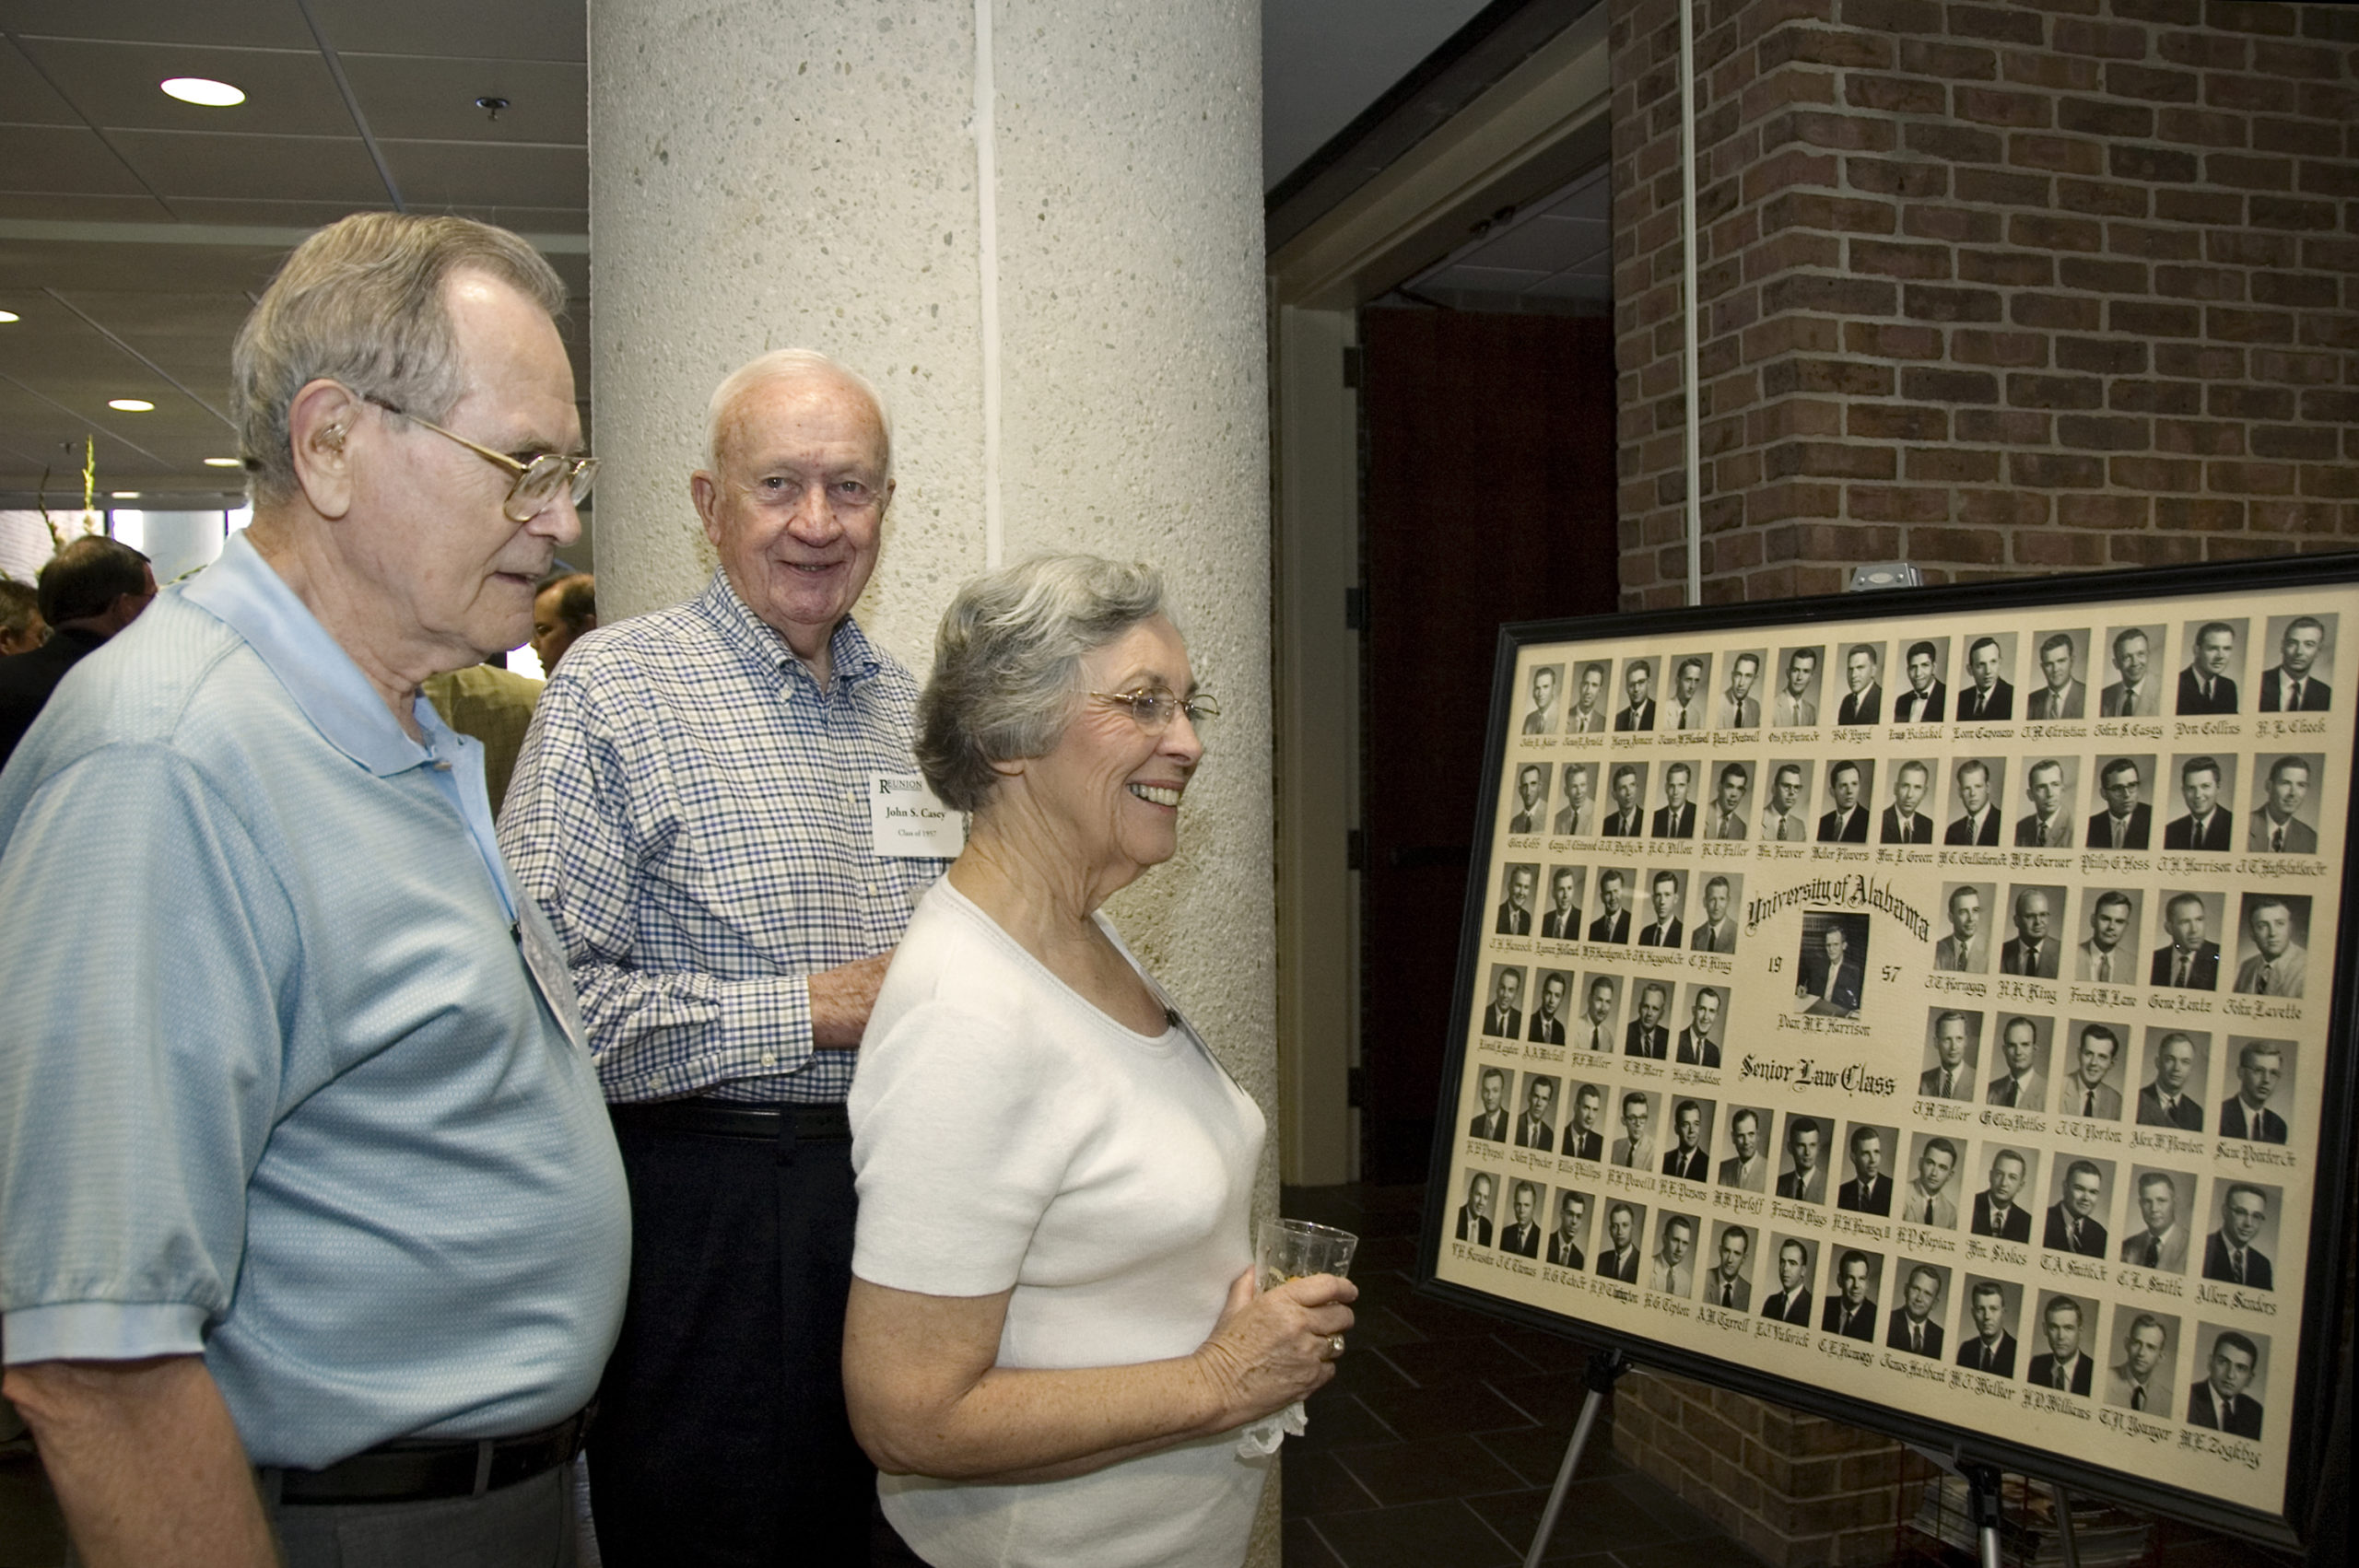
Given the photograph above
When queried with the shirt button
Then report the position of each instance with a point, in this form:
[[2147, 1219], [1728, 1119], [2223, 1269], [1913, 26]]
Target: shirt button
[[770, 1058]]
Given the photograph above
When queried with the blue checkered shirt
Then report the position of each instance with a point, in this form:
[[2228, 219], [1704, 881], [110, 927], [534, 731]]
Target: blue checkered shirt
[[692, 811]]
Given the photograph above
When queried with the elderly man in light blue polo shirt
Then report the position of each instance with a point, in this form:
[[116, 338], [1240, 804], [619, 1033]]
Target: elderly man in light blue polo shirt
[[307, 1176]]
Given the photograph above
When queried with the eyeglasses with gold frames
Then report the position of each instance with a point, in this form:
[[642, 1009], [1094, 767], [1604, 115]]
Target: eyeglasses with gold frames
[[539, 478]]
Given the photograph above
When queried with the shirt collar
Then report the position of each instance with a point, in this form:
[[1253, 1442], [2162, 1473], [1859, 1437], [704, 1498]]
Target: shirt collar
[[849, 653], [245, 594]]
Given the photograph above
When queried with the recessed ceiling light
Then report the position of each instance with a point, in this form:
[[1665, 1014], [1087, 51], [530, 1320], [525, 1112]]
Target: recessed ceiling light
[[122, 495], [8, 316], [223, 463], [131, 404], [202, 90]]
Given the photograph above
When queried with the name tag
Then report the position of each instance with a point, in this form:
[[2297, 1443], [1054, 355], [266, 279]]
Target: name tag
[[906, 823], [544, 960]]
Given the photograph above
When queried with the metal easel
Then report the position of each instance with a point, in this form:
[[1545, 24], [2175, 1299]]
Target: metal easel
[[1604, 1368], [1984, 1507]]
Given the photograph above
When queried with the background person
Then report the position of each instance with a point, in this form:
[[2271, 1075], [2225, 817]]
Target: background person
[[21, 627], [566, 607], [1054, 1329], [88, 592]]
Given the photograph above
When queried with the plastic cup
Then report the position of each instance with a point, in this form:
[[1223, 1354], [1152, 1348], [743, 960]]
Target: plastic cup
[[1288, 1249]]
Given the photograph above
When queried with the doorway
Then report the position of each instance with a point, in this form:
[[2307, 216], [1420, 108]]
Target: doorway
[[1488, 495]]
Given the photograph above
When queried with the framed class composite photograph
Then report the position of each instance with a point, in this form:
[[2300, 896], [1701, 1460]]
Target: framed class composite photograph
[[1930, 1010]]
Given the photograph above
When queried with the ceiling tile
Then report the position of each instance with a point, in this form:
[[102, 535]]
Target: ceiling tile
[[64, 206], [477, 174], [255, 23], [1481, 280], [1541, 245], [1574, 286], [1590, 197], [269, 213], [288, 93], [407, 95], [62, 157], [25, 97], [31, 265], [317, 168], [512, 29]]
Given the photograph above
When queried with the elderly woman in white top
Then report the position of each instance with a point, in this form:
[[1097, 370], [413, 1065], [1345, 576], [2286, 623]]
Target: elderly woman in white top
[[1054, 1331]]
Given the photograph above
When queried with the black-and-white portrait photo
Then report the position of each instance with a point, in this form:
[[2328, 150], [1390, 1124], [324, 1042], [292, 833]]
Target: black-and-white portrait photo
[[2064, 1358], [1535, 1124], [1475, 1210], [1545, 703], [1624, 814], [1987, 1333], [1714, 929], [1596, 1028], [1589, 714], [1922, 694], [1665, 914], [1568, 1245], [1952, 1054], [1965, 948], [1987, 696], [2161, 1214], [2001, 1209], [1869, 1148], [1786, 807], [1916, 1323], [2190, 959], [1584, 1134], [1728, 1284], [1728, 813], [2215, 662], [2207, 791], [1552, 1007], [2145, 1348], [1831, 969], [2095, 1070], [2062, 692], [1561, 920], [1850, 789], [1854, 1280], [1801, 1176], [1908, 819], [2285, 818], [1862, 699], [1616, 887], [1519, 889], [1490, 1119], [2272, 948], [2305, 646], [1746, 1152], [1503, 1014], [2080, 1197], [1936, 1175], [1978, 786], [1671, 1270], [1649, 1035], [1520, 1232], [2175, 1084], [2125, 815], [1677, 816], [1620, 1251], [1743, 692], [1795, 704], [1528, 802], [2111, 948], [1639, 703], [2020, 1081], [1577, 790], [1688, 1155], [1688, 703], [2260, 1104], [1797, 1265], [1700, 1033], [1635, 1148], [2051, 791], [2234, 1368], [2036, 916], [2134, 683]]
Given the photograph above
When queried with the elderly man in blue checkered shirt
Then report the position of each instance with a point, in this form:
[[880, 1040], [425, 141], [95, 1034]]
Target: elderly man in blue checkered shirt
[[693, 810]]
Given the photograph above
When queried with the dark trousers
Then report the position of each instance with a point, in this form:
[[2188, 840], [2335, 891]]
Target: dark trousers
[[528, 1524], [722, 1437]]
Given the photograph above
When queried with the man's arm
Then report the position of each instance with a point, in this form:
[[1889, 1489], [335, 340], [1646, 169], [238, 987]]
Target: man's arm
[[145, 1462], [570, 839]]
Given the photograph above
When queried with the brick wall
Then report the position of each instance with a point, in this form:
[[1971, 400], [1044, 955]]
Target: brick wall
[[1798, 1490], [1994, 288]]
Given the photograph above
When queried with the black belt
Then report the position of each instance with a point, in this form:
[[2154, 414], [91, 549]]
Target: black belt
[[419, 1469], [720, 1118]]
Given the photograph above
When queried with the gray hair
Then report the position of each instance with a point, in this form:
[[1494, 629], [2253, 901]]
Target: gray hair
[[360, 303], [788, 364], [1007, 664]]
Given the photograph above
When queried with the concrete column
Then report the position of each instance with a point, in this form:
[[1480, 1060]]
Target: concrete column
[[765, 176]]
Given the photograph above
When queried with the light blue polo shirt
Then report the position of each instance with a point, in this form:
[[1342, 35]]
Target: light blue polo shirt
[[276, 1083]]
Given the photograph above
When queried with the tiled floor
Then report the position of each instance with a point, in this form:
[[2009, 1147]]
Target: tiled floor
[[1437, 1444]]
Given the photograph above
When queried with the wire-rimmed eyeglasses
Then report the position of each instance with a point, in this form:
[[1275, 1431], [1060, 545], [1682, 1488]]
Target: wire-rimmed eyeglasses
[[539, 478], [1155, 708]]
